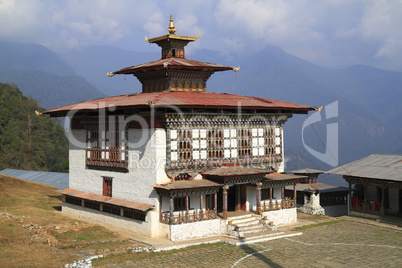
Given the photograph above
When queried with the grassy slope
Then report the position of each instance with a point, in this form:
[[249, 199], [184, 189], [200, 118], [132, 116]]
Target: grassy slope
[[33, 232]]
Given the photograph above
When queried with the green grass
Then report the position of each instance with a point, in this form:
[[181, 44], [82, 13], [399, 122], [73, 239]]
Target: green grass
[[317, 225], [88, 234]]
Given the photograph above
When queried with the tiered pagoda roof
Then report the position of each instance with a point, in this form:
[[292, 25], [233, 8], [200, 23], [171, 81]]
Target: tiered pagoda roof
[[176, 81]]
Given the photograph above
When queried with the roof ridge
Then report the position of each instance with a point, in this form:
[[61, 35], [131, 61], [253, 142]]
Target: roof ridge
[[159, 96]]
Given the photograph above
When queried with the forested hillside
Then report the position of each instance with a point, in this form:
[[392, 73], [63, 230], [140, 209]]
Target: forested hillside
[[28, 141]]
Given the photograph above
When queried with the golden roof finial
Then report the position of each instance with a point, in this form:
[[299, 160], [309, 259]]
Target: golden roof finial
[[171, 29]]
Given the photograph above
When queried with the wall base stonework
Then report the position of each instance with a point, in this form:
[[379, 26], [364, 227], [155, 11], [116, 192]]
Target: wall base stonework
[[361, 214], [283, 216], [132, 225], [197, 229]]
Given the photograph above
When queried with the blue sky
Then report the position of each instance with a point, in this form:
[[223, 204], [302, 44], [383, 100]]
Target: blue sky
[[326, 32]]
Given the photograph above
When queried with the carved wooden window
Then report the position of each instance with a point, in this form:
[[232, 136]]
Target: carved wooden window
[[265, 194], [244, 143], [106, 143], [107, 186], [200, 146], [209, 202], [180, 203], [215, 144], [182, 177]]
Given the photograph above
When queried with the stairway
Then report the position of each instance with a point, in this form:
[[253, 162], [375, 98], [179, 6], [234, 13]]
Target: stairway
[[249, 228]]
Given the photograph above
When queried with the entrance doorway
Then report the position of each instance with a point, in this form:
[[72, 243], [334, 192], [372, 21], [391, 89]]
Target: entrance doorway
[[232, 199]]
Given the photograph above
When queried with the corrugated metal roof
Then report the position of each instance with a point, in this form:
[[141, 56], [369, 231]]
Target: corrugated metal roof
[[187, 184], [226, 171], [107, 200], [322, 187], [306, 171], [56, 179], [173, 63], [375, 166], [181, 100]]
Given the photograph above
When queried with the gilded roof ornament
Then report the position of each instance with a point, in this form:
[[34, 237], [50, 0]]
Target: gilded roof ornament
[[171, 29]]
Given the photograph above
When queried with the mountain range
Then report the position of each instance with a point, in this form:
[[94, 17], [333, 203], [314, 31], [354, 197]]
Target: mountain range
[[365, 100]]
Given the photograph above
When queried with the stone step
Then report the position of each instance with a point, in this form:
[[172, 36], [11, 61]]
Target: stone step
[[251, 227], [236, 221], [265, 233], [240, 217], [254, 230], [245, 222]]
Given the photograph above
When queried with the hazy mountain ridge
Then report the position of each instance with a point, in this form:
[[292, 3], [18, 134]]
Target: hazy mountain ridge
[[41, 74]]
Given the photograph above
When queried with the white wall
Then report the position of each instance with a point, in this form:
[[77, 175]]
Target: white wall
[[197, 229], [146, 167], [147, 228], [283, 216], [251, 198]]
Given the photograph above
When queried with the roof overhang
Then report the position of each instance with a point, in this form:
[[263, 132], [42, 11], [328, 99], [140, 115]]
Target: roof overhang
[[187, 188], [106, 200], [281, 179]]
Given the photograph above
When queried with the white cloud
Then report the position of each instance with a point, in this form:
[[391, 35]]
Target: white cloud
[[331, 31]]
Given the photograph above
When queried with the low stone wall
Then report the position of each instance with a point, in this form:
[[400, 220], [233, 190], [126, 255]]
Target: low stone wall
[[197, 229], [283, 216], [132, 225]]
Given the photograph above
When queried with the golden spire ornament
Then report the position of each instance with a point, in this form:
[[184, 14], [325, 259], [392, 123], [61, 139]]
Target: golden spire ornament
[[171, 29]]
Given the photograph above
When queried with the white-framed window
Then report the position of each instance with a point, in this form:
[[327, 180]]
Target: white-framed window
[[200, 144]]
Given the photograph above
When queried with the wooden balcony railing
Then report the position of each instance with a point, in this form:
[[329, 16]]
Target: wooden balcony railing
[[112, 157], [179, 217], [278, 204]]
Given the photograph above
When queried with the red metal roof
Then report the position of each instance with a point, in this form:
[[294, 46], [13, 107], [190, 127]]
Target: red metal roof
[[187, 184], [182, 100], [107, 200], [174, 63]]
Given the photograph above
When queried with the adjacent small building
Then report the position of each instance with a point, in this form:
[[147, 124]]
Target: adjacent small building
[[317, 198], [375, 185], [167, 161]]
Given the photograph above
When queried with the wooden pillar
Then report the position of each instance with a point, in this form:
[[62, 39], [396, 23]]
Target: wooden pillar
[[282, 197], [382, 209], [258, 197], [187, 207], [238, 204], [225, 201], [294, 192], [171, 206], [365, 199], [160, 208], [216, 204], [270, 198], [350, 199], [200, 199]]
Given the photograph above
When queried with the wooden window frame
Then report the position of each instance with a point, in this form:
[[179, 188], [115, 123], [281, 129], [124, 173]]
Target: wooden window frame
[[107, 146], [107, 186]]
